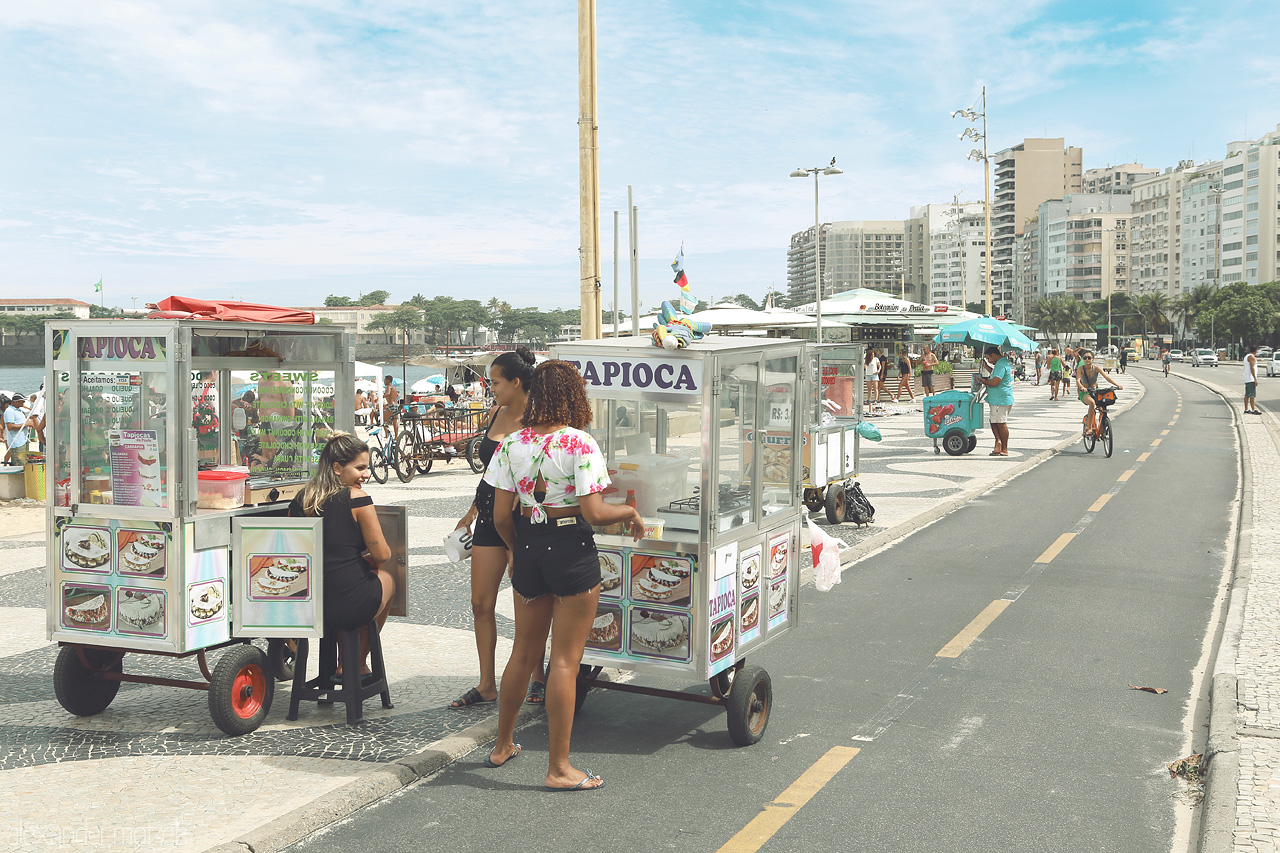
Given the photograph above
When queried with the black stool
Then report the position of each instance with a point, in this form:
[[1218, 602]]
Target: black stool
[[351, 691]]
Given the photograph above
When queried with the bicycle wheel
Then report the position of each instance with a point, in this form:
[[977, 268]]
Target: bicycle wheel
[[1089, 439], [378, 468], [1105, 436], [404, 457], [473, 454], [425, 453]]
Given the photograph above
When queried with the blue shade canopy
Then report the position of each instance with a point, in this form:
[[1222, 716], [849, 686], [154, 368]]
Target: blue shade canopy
[[985, 330]]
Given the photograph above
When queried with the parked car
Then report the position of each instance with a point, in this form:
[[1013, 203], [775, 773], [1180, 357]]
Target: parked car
[[1264, 354], [1175, 355], [1272, 364], [1204, 358]]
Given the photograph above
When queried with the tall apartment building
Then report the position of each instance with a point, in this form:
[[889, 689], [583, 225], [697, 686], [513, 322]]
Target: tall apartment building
[[854, 254], [1115, 180], [958, 255], [1078, 247], [1250, 211], [1025, 176], [1156, 232], [1201, 221]]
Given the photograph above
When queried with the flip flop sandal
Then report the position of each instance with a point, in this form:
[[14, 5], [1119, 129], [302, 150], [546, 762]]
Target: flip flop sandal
[[537, 693], [581, 785], [489, 762], [471, 697]]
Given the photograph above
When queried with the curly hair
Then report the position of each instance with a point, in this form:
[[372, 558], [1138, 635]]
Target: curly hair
[[557, 395]]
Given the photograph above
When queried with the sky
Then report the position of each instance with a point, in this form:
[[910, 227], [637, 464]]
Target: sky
[[282, 152]]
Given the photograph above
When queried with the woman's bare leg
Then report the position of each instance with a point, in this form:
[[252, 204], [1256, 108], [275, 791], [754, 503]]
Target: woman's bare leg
[[487, 567], [533, 621], [569, 629]]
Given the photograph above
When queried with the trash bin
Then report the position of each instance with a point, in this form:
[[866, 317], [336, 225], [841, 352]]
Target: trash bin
[[33, 475]]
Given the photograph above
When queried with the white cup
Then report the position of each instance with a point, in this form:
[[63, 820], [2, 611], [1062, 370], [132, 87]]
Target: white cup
[[457, 545]]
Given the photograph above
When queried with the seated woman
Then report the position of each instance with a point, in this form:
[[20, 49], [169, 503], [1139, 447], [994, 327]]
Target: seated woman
[[356, 591]]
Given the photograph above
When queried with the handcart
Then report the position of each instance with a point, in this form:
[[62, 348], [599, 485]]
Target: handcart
[[160, 541], [702, 439], [953, 417], [831, 439], [429, 432]]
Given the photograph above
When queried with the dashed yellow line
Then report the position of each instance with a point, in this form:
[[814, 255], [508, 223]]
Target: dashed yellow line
[[1056, 548], [1156, 443], [1144, 457], [1124, 478], [1100, 503], [1165, 432], [1171, 423], [754, 835], [971, 631]]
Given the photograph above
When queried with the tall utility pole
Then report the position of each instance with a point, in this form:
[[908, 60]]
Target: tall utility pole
[[972, 133], [588, 171]]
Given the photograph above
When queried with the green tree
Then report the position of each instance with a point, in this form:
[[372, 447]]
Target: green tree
[[1246, 317], [743, 300], [97, 312], [376, 297], [976, 307], [332, 301], [402, 319]]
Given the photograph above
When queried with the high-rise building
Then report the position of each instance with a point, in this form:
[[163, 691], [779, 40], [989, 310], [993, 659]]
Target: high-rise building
[[1078, 248], [1025, 176], [958, 254], [854, 254], [1156, 232], [1201, 220], [1250, 211], [1115, 180]]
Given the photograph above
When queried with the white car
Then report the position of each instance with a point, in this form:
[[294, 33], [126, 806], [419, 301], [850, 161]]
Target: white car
[[1175, 355], [1204, 358], [1273, 365]]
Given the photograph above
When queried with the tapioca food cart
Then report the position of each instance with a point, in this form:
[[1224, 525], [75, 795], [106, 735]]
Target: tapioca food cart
[[166, 486], [704, 442]]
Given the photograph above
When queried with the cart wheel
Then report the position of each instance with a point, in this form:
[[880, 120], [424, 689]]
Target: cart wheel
[[473, 454], [835, 503], [404, 457], [936, 449], [377, 465], [241, 690], [955, 443], [749, 702], [973, 443], [78, 688], [280, 657], [813, 500], [426, 456]]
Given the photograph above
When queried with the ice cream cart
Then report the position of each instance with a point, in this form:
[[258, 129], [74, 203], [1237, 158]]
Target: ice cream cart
[[703, 441], [831, 440], [165, 478]]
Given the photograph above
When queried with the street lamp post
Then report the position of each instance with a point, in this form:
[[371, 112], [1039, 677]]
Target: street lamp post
[[830, 169], [976, 155]]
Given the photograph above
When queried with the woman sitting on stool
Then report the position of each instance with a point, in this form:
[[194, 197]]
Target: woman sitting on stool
[[356, 591]]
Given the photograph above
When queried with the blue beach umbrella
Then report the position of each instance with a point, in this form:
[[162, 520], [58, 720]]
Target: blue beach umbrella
[[985, 331]]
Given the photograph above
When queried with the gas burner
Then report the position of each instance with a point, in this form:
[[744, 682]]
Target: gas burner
[[730, 499]]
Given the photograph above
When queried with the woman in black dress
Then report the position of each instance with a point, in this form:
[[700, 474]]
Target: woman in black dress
[[356, 591], [509, 377]]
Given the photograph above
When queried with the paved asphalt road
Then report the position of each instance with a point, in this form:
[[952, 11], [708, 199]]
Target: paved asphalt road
[[1029, 739]]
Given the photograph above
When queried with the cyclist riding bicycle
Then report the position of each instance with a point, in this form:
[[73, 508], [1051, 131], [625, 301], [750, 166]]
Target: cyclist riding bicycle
[[1166, 361], [1087, 377]]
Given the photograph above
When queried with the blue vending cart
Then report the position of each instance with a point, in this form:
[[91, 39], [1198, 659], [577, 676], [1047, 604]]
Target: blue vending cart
[[953, 417]]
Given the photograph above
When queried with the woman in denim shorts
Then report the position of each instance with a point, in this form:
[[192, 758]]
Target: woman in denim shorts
[[556, 473]]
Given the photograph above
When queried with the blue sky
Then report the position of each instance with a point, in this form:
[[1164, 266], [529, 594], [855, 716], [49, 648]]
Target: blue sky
[[281, 152]]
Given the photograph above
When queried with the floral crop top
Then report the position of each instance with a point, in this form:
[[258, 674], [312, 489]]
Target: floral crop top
[[569, 461]]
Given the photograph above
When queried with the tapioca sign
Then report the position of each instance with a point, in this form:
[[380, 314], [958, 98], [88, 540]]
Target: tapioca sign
[[114, 348], [638, 374]]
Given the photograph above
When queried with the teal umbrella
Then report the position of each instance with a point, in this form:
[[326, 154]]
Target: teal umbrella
[[985, 330]]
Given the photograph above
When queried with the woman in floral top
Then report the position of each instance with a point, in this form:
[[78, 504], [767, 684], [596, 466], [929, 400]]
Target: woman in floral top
[[557, 474]]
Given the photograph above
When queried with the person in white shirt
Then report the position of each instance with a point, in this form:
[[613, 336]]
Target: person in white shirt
[[873, 376], [16, 435], [1251, 381]]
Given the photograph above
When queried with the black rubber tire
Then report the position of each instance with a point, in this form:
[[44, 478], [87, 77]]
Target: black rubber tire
[[836, 509], [973, 444], [1089, 439], [404, 457], [748, 705], [239, 662], [956, 443], [722, 682], [1105, 438], [280, 657], [80, 690], [473, 454], [813, 500], [424, 460], [378, 468]]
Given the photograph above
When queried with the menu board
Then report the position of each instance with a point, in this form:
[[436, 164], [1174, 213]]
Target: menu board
[[779, 575], [134, 455], [749, 565], [644, 611]]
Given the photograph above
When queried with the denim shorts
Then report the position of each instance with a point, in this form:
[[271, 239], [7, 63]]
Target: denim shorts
[[485, 534], [557, 556]]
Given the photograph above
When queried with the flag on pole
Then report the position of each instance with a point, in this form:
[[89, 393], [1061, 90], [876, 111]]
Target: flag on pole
[[97, 288], [678, 266]]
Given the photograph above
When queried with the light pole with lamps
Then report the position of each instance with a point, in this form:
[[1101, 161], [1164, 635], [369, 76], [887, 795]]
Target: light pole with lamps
[[976, 155], [830, 169]]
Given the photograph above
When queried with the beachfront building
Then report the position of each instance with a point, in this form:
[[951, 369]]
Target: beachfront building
[[9, 307], [1201, 210], [1080, 249], [958, 255], [1250, 211], [855, 254]]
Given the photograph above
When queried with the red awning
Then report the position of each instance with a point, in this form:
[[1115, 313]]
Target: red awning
[[186, 308]]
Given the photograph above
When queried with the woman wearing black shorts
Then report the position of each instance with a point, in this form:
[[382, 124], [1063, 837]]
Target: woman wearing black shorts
[[555, 567], [509, 375]]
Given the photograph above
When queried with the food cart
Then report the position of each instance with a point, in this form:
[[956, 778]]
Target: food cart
[[832, 441], [702, 440], [167, 533]]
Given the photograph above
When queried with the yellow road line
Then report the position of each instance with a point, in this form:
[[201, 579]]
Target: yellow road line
[[1144, 457], [971, 631], [1053, 550], [763, 826], [1100, 503], [1165, 432], [1171, 423], [1156, 443], [1124, 478]]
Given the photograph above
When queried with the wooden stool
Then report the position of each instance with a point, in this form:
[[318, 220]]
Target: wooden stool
[[351, 691]]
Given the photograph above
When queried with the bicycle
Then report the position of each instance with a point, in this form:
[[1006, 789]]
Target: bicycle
[[1166, 370], [1102, 429], [385, 454]]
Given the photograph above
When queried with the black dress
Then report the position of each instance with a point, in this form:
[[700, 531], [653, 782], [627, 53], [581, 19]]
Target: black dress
[[352, 592]]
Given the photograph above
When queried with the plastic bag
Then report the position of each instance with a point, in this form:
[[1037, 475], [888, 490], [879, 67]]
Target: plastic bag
[[868, 430], [825, 550]]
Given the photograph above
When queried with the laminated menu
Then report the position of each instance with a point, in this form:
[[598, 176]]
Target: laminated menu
[[135, 467]]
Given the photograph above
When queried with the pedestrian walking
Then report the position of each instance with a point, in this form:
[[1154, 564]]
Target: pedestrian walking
[[904, 375], [1251, 381], [1039, 366], [927, 363], [999, 397], [871, 367], [1055, 373], [1124, 359], [884, 373]]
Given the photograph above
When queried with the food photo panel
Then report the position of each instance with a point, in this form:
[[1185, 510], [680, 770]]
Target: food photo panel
[[655, 633], [749, 618], [749, 569], [140, 553], [86, 608], [611, 563], [279, 577], [663, 579], [722, 638], [140, 611], [606, 631], [86, 549], [779, 555], [205, 602]]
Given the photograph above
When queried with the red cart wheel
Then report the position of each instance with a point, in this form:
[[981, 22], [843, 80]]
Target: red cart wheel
[[241, 690]]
